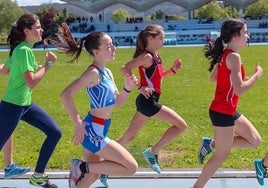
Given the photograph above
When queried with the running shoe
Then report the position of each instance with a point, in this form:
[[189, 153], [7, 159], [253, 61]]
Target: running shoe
[[204, 149], [75, 173], [42, 181], [260, 171], [15, 171], [152, 160], [104, 180]]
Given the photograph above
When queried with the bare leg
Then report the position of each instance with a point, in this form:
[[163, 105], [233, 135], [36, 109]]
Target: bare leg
[[178, 127], [247, 135], [137, 122], [12, 170], [116, 161], [89, 178], [8, 151], [265, 160], [223, 144]]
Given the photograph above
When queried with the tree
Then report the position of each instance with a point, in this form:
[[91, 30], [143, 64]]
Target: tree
[[211, 10], [257, 10], [9, 13], [232, 11], [176, 17], [158, 15], [47, 19], [120, 15], [51, 18]]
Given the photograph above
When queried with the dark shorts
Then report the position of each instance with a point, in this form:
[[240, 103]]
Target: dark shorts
[[148, 107], [223, 120]]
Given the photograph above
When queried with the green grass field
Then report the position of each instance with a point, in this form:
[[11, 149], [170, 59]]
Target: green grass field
[[189, 93]]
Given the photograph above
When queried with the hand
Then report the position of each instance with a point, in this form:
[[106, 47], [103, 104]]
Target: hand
[[177, 65], [146, 91], [258, 70], [246, 78], [79, 133], [130, 81], [50, 56]]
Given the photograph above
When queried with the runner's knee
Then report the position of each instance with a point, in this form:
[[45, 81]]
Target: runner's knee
[[132, 167], [256, 141]]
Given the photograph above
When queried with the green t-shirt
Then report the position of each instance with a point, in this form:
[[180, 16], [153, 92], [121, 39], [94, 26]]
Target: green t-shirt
[[8, 62], [22, 60]]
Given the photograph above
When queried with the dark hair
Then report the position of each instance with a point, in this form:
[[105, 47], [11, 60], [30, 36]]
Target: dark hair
[[229, 28], [68, 45], [150, 30], [16, 35]]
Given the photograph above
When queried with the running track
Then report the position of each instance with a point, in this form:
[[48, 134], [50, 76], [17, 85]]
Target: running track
[[148, 179]]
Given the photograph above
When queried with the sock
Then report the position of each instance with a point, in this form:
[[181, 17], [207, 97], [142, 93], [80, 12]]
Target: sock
[[264, 165], [210, 144], [8, 166], [84, 167], [35, 176]]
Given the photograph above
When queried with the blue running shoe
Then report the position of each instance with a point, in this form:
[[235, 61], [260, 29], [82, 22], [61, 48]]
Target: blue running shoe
[[152, 160], [15, 171], [260, 171], [104, 180], [204, 149]]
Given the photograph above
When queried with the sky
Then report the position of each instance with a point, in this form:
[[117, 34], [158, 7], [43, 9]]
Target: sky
[[35, 2]]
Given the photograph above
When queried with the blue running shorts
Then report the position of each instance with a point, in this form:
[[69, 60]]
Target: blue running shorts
[[96, 137]]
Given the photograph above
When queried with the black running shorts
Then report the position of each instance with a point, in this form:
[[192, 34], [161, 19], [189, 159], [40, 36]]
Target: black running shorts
[[148, 107]]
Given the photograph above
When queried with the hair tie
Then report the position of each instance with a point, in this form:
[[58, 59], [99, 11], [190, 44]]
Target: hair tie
[[142, 38], [221, 39], [14, 24]]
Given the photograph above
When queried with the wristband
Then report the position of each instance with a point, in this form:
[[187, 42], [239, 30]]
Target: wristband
[[49, 63], [128, 91], [174, 72]]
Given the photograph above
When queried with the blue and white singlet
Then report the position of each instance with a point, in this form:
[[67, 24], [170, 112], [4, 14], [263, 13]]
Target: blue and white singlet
[[103, 94]]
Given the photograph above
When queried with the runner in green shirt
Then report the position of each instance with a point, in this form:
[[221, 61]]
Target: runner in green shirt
[[16, 103], [12, 169]]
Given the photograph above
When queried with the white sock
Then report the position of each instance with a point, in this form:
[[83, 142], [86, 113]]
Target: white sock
[[8, 166]]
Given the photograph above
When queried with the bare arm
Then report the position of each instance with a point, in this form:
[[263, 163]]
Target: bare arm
[[86, 79], [144, 60], [32, 79], [175, 67], [4, 69], [130, 82], [214, 74], [240, 86]]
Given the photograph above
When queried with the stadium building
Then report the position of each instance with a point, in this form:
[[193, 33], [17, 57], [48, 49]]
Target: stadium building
[[177, 32]]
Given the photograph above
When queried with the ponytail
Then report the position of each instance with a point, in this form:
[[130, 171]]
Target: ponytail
[[67, 44], [142, 39], [229, 29], [140, 44], [214, 52]]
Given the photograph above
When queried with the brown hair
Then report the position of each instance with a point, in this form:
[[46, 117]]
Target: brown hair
[[68, 45], [16, 35], [229, 28], [142, 42]]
